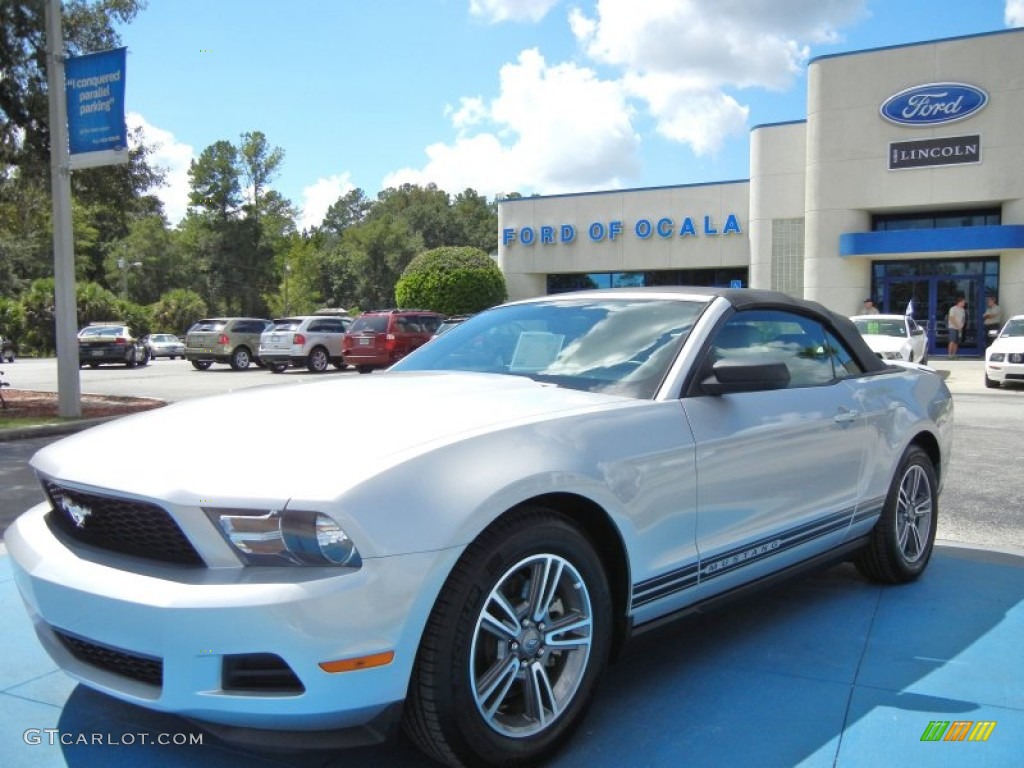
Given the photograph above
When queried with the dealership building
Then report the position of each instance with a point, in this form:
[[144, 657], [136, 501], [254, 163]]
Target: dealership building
[[905, 183]]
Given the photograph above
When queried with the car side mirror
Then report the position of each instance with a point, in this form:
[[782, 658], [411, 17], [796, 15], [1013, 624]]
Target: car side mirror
[[994, 333], [919, 331], [754, 375]]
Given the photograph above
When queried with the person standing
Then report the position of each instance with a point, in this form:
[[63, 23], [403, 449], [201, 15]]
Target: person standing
[[869, 307], [992, 319], [955, 321]]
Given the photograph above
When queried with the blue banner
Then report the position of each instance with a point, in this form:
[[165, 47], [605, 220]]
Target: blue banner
[[95, 94]]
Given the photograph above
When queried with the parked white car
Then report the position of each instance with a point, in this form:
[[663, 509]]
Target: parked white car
[[313, 341], [894, 337], [511, 502], [1004, 359]]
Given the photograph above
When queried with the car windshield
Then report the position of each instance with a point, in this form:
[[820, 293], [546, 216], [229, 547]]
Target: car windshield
[[882, 327], [1014, 327], [374, 323], [103, 331], [617, 346], [209, 325]]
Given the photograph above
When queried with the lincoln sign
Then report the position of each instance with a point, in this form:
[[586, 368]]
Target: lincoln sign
[[926, 153]]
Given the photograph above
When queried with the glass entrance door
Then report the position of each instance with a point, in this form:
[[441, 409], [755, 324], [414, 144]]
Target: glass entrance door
[[914, 296], [947, 291]]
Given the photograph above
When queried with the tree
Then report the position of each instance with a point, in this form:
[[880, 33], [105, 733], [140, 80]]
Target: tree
[[452, 281], [259, 164], [373, 255], [347, 211], [177, 310], [214, 181]]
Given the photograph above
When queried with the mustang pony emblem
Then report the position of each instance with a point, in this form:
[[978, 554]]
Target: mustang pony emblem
[[76, 512]]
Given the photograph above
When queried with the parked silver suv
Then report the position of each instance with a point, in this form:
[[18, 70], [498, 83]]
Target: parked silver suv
[[232, 340], [310, 340]]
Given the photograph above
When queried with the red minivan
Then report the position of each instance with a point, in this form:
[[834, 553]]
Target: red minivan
[[379, 338]]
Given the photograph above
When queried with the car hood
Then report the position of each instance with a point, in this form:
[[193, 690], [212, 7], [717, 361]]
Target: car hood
[[1007, 344], [268, 443], [885, 343]]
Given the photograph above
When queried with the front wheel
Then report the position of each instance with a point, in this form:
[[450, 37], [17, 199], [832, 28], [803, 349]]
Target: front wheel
[[902, 540], [991, 383], [515, 645], [318, 360], [240, 359], [201, 365]]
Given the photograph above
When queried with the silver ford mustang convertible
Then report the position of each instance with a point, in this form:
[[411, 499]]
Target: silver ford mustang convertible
[[474, 533]]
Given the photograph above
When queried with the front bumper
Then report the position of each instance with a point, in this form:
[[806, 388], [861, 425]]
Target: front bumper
[[193, 621], [1004, 371]]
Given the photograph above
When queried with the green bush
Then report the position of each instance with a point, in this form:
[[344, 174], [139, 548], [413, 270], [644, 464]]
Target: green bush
[[452, 281]]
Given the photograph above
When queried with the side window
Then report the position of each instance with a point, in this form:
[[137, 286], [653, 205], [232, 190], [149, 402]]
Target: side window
[[430, 323], [842, 361], [793, 339], [318, 326]]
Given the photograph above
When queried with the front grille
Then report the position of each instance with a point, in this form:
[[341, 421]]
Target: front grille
[[127, 526], [145, 669], [259, 672], [1015, 376]]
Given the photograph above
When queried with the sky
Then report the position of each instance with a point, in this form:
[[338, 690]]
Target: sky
[[530, 96]]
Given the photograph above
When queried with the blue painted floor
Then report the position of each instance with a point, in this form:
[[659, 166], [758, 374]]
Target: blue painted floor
[[824, 671]]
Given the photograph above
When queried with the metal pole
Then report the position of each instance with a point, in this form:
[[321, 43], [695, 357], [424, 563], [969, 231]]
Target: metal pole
[[68, 385]]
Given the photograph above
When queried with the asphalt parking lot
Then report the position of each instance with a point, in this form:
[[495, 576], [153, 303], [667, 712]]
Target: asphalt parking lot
[[824, 671]]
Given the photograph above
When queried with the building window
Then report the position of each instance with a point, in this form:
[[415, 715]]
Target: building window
[[714, 278], [984, 217], [788, 256]]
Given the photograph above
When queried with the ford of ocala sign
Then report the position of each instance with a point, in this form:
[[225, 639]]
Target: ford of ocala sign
[[933, 104]]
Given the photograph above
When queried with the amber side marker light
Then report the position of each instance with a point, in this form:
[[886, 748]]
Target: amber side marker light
[[359, 662]]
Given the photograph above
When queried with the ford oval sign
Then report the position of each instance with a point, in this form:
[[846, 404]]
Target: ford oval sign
[[933, 104]]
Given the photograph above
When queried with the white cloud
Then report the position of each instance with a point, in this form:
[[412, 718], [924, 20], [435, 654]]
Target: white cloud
[[174, 158], [679, 56], [321, 195], [1014, 13], [551, 129], [497, 11], [681, 63]]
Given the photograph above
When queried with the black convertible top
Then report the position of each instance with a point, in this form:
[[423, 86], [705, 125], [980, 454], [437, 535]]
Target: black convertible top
[[754, 298]]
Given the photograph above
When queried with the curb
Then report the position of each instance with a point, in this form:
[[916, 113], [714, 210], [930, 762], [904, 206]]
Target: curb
[[52, 430]]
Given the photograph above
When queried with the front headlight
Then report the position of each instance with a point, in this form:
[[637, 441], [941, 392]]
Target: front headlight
[[285, 537], [892, 355], [997, 357]]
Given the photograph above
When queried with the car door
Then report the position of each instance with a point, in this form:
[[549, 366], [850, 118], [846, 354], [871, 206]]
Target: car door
[[777, 469]]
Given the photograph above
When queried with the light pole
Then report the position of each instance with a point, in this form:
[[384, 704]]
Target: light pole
[[123, 264], [287, 269]]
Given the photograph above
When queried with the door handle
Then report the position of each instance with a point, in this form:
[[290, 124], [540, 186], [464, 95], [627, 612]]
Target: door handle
[[846, 416]]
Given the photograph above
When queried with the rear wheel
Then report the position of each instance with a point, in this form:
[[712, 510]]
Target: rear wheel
[[514, 647], [201, 365], [240, 359], [318, 360], [902, 540]]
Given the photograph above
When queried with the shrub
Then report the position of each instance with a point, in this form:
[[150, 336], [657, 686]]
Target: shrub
[[452, 281]]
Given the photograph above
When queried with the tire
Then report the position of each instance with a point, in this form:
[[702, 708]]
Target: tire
[[991, 383], [318, 360], [131, 362], [528, 572], [201, 365], [341, 366], [277, 367], [240, 358], [901, 541], [364, 368]]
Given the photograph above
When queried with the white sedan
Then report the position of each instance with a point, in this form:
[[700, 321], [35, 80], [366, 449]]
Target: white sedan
[[894, 337], [1004, 359], [515, 499]]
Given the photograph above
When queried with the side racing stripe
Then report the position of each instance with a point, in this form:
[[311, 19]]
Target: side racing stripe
[[692, 574]]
